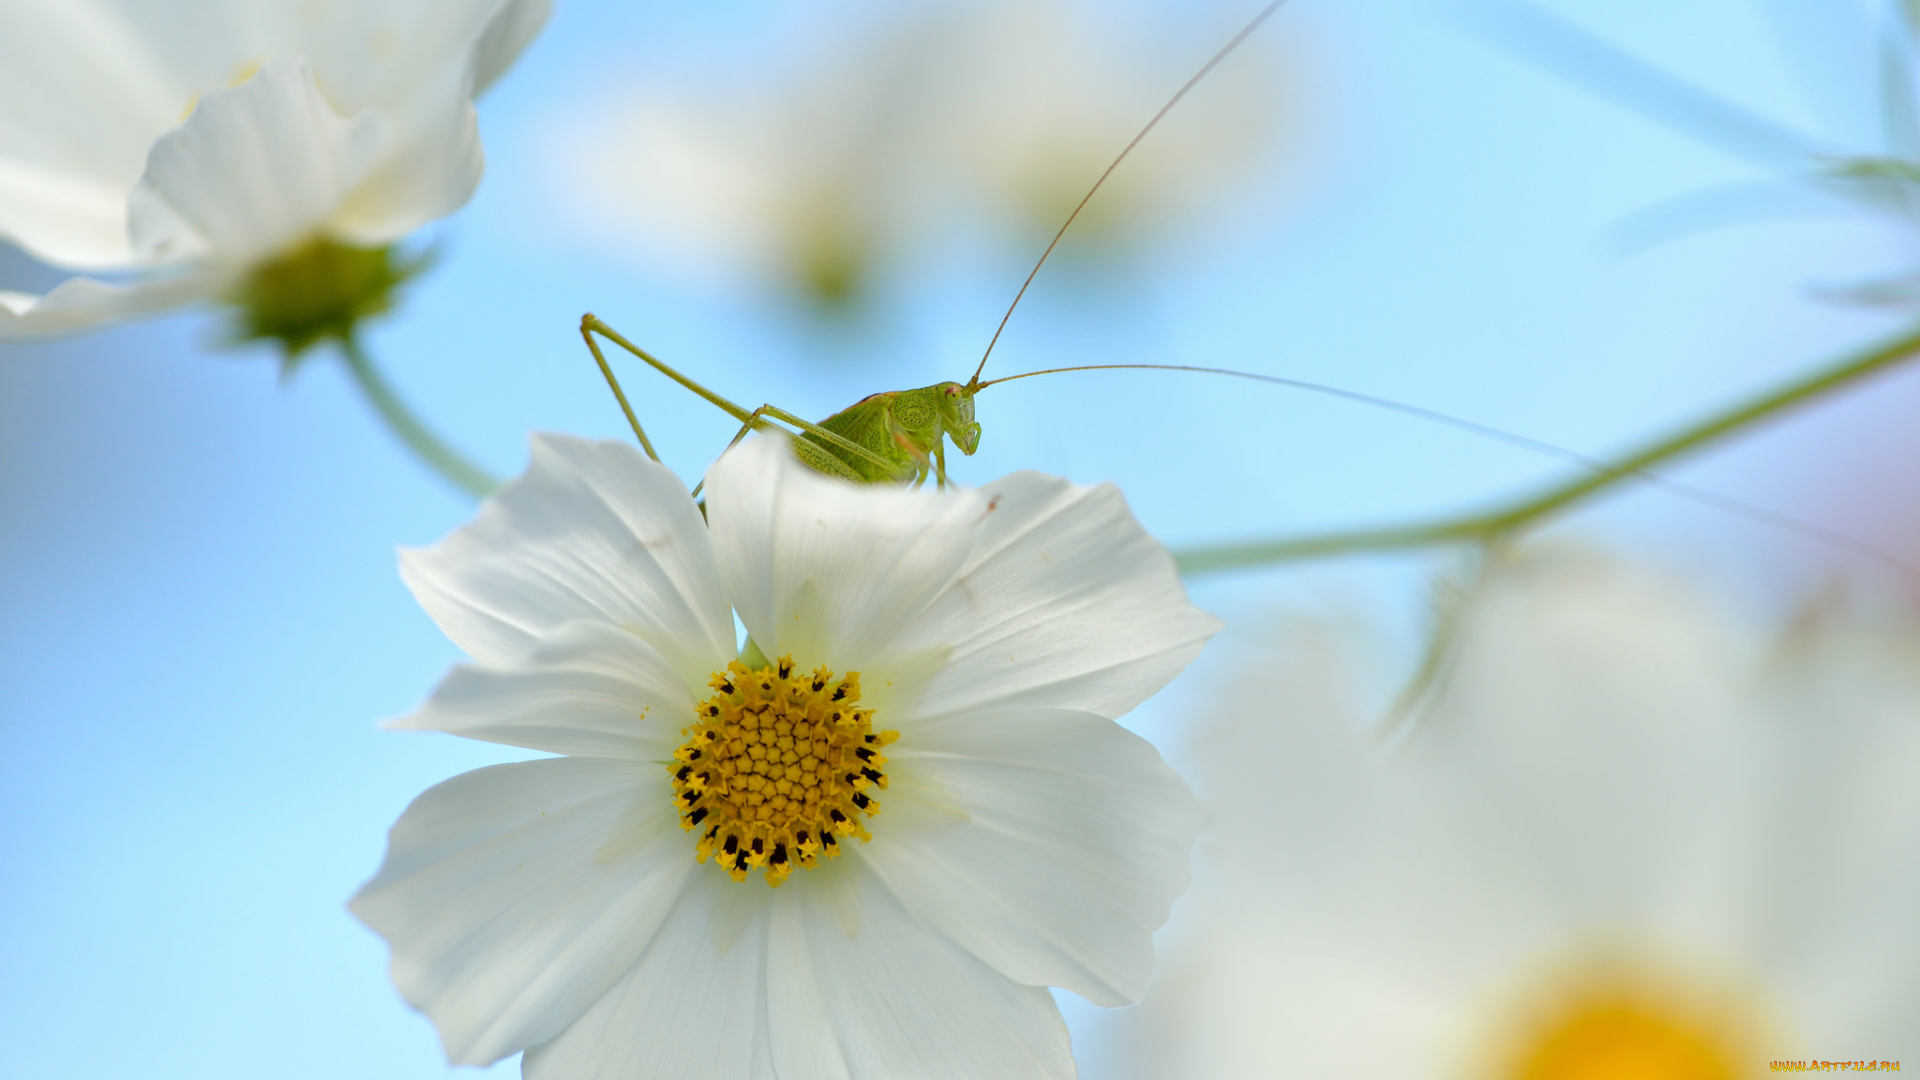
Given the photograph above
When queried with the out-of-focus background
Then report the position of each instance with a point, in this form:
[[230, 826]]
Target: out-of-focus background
[[202, 621]]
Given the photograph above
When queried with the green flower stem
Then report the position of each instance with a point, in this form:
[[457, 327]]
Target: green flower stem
[[1510, 519], [452, 466]]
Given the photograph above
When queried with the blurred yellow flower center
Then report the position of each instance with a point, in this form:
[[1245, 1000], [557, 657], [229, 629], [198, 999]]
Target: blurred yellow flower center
[[778, 768], [1616, 1030]]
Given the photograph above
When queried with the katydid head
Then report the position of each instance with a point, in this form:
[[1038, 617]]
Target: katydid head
[[955, 403]]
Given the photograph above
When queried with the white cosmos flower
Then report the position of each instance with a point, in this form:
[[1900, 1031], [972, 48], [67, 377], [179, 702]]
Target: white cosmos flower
[[574, 906], [188, 141], [1639, 839]]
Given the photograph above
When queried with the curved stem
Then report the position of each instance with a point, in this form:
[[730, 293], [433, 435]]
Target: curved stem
[[452, 466], [1525, 512]]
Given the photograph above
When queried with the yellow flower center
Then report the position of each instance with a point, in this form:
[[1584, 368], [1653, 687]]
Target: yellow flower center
[[1609, 1026], [777, 768]]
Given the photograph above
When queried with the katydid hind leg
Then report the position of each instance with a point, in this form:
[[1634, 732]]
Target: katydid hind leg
[[586, 334], [838, 440], [805, 451], [811, 453], [591, 325]]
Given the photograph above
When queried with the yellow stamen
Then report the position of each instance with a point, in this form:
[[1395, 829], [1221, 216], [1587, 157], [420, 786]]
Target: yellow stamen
[[777, 768]]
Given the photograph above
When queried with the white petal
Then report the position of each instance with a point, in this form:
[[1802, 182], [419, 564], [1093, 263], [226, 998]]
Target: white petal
[[257, 168], [692, 1008], [515, 896], [512, 28], [826, 977], [592, 530], [418, 63], [86, 96], [1050, 843], [65, 218], [403, 56], [1835, 803], [428, 176], [432, 166], [1567, 671], [83, 303], [588, 688], [828, 571], [1065, 601], [859, 990]]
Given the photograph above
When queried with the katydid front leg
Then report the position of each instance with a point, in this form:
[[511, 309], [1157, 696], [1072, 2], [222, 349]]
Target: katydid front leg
[[904, 440]]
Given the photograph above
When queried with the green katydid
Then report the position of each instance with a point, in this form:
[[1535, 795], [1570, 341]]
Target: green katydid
[[896, 435]]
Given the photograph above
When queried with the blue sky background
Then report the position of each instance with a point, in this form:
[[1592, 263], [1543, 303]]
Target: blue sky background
[[202, 620]]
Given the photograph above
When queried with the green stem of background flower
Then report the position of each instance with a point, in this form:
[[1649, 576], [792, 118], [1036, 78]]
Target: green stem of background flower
[[452, 466], [1512, 518]]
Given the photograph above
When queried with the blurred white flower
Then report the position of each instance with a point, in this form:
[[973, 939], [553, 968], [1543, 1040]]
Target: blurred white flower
[[181, 145], [1636, 838], [931, 128], [609, 912]]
